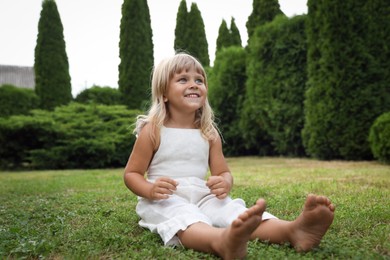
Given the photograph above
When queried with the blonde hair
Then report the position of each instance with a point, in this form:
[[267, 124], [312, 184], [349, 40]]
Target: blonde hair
[[158, 112]]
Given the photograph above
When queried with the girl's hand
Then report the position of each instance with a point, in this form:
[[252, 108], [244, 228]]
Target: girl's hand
[[219, 186], [162, 188]]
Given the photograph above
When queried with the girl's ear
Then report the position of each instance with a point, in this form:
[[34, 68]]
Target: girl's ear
[[165, 99]]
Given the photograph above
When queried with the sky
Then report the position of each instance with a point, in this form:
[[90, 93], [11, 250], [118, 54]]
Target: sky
[[91, 32]]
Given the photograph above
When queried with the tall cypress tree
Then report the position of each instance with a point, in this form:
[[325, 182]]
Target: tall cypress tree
[[263, 11], [52, 79], [223, 39], [226, 37], [235, 34], [181, 29], [190, 34], [346, 87], [196, 39], [135, 52]]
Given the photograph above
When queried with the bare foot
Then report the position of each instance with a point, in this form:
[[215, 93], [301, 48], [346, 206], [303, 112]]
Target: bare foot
[[312, 224], [235, 238]]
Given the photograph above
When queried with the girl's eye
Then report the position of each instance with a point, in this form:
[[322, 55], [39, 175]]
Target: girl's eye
[[182, 80], [199, 81]]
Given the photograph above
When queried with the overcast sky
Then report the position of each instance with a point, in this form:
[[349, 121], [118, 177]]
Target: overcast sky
[[91, 32]]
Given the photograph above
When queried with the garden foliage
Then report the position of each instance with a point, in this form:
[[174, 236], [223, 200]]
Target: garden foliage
[[17, 101], [52, 79], [308, 85], [73, 136]]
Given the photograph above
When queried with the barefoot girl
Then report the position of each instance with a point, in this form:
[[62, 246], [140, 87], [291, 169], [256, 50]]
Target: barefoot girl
[[176, 146]]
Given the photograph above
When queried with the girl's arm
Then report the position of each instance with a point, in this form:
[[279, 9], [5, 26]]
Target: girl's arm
[[137, 165], [221, 181]]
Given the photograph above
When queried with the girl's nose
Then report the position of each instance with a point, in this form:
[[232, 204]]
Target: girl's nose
[[193, 85]]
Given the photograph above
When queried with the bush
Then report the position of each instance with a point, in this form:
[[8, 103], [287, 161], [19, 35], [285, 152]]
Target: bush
[[379, 138], [226, 91], [73, 136], [21, 134], [348, 76], [17, 101], [272, 115], [100, 95], [78, 153]]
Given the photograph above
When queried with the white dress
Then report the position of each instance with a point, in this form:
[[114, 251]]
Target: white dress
[[183, 155]]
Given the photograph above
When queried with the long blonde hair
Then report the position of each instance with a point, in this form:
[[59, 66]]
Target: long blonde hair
[[158, 112]]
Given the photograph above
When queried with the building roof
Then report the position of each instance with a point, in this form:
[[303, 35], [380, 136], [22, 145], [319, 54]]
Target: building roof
[[18, 76]]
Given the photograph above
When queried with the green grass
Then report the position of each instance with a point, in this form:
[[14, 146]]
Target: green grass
[[78, 214]]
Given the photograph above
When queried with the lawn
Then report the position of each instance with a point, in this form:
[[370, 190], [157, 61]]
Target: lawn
[[79, 214]]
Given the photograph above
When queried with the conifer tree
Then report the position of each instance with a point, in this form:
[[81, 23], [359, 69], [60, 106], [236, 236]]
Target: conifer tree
[[190, 34], [348, 77], [263, 11], [223, 39], [135, 52], [181, 29], [235, 34], [196, 39], [52, 79], [226, 37]]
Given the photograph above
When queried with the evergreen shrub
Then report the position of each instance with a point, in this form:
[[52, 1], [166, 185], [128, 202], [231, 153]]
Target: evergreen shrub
[[100, 95], [348, 76], [379, 138], [273, 115], [17, 101], [73, 136], [20, 134], [226, 94]]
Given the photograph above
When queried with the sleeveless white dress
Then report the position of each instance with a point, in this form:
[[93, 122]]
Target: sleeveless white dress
[[183, 155]]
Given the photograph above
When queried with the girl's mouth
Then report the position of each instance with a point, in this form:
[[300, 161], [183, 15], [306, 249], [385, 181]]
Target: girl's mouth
[[192, 95]]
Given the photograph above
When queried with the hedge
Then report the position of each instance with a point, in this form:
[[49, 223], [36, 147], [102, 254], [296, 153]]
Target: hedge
[[17, 101], [100, 95], [73, 136]]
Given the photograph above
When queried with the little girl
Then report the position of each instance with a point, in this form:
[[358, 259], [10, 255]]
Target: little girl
[[177, 144]]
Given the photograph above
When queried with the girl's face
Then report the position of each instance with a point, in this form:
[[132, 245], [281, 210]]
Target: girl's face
[[186, 91]]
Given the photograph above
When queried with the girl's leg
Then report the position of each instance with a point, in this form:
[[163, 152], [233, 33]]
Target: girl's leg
[[305, 232], [228, 243]]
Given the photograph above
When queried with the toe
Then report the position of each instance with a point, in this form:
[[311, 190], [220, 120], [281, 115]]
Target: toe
[[244, 216], [322, 200], [311, 201]]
